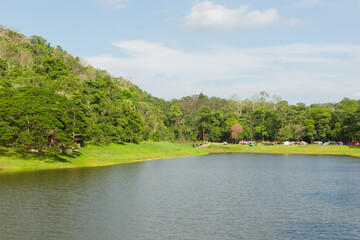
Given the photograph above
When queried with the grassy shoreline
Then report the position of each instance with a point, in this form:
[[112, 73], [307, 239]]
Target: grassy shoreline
[[281, 149], [96, 156]]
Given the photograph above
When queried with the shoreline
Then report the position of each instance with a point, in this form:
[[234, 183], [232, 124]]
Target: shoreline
[[98, 156], [294, 149]]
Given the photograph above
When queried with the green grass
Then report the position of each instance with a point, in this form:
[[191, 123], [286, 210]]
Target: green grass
[[281, 149], [94, 156]]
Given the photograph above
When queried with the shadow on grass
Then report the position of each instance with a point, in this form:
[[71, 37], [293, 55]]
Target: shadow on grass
[[39, 156], [354, 146]]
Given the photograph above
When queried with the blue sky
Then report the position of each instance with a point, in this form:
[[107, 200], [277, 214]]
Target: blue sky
[[302, 50]]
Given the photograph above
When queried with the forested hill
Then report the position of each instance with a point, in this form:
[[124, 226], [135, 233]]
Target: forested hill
[[50, 99]]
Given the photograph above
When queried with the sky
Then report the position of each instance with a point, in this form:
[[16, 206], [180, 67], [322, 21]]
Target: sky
[[301, 50]]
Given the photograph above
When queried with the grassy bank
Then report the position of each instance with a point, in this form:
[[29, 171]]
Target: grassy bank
[[281, 149], [93, 156]]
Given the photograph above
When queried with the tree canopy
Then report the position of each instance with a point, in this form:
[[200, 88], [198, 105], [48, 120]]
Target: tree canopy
[[50, 99]]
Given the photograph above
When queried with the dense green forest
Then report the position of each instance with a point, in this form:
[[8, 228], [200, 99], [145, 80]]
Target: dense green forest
[[49, 100]]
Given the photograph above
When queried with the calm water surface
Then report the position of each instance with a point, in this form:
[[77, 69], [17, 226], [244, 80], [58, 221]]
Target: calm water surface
[[223, 196]]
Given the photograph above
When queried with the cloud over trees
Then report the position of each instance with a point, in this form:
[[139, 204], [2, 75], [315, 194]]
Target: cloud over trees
[[207, 15]]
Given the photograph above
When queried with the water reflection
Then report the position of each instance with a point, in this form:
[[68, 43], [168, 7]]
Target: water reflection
[[225, 196]]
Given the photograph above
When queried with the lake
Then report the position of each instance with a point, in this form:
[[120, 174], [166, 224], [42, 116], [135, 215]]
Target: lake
[[219, 196]]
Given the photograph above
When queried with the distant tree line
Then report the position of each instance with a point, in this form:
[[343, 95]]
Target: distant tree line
[[50, 99], [264, 118]]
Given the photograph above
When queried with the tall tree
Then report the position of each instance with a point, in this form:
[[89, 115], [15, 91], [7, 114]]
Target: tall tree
[[236, 130], [35, 118]]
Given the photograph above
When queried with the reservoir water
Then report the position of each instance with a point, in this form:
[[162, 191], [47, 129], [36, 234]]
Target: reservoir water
[[220, 196]]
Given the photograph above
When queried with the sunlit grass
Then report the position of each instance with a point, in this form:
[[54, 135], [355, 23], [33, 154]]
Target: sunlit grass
[[91, 156]]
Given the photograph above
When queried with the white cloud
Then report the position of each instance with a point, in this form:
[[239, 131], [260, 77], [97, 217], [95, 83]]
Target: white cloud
[[116, 4], [298, 72], [207, 15]]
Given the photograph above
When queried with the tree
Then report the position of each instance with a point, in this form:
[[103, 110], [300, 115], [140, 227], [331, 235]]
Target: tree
[[260, 125], [299, 132], [3, 66], [204, 119], [236, 130], [310, 129], [132, 122], [153, 118], [236, 104], [348, 113], [35, 118], [286, 133], [322, 118]]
